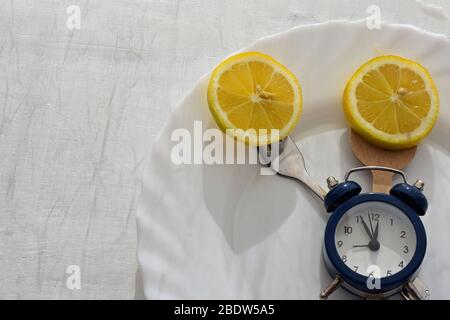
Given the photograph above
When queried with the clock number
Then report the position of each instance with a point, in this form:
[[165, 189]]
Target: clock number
[[375, 217], [340, 243], [405, 249], [356, 268], [348, 230], [344, 259], [392, 222], [389, 273], [403, 234], [400, 264], [358, 219]]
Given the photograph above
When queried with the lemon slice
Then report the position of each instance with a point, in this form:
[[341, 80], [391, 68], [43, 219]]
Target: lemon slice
[[392, 102], [254, 95]]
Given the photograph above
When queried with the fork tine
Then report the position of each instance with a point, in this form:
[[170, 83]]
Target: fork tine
[[291, 163]]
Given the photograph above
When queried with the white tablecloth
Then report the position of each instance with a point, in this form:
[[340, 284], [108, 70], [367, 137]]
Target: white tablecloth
[[79, 110]]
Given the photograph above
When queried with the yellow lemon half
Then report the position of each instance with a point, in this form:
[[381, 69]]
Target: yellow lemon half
[[254, 94], [392, 102]]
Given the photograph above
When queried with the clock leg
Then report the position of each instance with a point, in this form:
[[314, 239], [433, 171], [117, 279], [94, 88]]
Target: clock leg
[[415, 290], [331, 288]]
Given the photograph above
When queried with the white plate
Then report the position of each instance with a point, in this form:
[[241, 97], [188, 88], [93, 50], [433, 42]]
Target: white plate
[[226, 232]]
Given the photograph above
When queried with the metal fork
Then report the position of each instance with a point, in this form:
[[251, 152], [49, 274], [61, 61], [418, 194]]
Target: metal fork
[[291, 163]]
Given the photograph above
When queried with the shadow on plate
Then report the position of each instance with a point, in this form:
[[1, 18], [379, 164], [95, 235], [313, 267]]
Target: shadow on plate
[[247, 206]]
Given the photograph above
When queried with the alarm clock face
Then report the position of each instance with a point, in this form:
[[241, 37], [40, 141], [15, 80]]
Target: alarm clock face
[[375, 239]]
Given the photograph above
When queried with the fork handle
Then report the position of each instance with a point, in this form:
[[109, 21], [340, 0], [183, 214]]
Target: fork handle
[[315, 187], [312, 185]]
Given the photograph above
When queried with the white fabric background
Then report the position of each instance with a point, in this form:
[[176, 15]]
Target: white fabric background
[[79, 110]]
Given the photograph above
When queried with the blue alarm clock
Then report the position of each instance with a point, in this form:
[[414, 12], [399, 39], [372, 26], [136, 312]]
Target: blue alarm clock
[[375, 243]]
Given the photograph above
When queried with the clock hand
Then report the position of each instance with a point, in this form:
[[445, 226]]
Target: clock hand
[[366, 228], [370, 221], [375, 235], [373, 245]]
